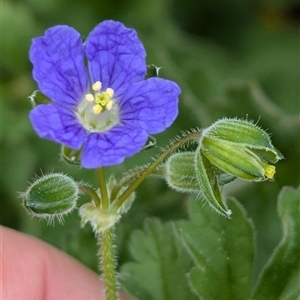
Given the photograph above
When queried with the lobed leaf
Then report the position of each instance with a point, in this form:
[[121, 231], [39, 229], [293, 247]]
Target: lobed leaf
[[160, 267], [280, 278], [222, 250]]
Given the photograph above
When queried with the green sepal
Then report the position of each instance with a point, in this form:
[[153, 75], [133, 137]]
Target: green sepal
[[126, 204], [152, 71], [208, 183], [99, 218], [70, 155], [151, 142], [54, 194], [225, 178], [37, 98]]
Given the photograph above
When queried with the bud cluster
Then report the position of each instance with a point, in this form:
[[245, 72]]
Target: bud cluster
[[228, 149]]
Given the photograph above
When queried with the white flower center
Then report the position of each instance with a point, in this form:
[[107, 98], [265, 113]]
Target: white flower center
[[99, 111]]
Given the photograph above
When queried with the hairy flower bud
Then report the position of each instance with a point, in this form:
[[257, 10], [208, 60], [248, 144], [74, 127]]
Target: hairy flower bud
[[228, 149], [180, 172], [232, 148], [240, 148], [52, 195], [190, 172]]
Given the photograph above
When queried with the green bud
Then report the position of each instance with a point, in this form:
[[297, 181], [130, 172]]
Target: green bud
[[180, 172], [190, 172], [99, 218], [232, 148], [51, 195], [70, 156], [240, 148]]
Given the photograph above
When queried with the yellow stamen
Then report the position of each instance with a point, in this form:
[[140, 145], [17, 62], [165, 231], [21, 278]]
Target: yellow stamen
[[101, 100], [97, 86], [97, 109], [109, 92], [270, 171], [109, 105], [89, 97]]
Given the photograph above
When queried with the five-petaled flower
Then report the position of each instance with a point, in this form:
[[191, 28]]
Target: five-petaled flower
[[106, 108]]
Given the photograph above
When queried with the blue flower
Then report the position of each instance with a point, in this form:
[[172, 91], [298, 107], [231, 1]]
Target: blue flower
[[100, 100]]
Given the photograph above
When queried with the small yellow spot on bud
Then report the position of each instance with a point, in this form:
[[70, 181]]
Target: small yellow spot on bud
[[110, 92], [109, 105], [270, 171], [89, 97], [97, 86], [97, 109]]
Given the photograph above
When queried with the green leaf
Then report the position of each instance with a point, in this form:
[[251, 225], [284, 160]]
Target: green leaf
[[281, 276], [133, 286], [222, 250], [161, 267]]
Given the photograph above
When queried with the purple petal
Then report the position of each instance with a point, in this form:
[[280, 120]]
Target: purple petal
[[58, 60], [151, 105], [116, 56], [112, 147], [58, 124]]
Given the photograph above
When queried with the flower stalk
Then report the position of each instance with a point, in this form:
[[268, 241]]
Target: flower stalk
[[103, 188], [151, 168], [91, 192], [122, 182], [107, 261]]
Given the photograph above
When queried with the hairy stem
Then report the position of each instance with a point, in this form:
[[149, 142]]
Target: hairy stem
[[179, 143], [128, 177], [159, 172], [107, 259], [108, 264]]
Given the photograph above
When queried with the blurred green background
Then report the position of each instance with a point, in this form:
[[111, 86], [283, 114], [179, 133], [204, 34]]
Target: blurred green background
[[231, 58]]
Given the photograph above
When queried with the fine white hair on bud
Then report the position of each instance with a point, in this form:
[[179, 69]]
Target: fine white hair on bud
[[240, 148], [180, 172], [51, 196]]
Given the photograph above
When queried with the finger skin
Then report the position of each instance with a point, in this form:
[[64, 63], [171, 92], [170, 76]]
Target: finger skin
[[34, 270]]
